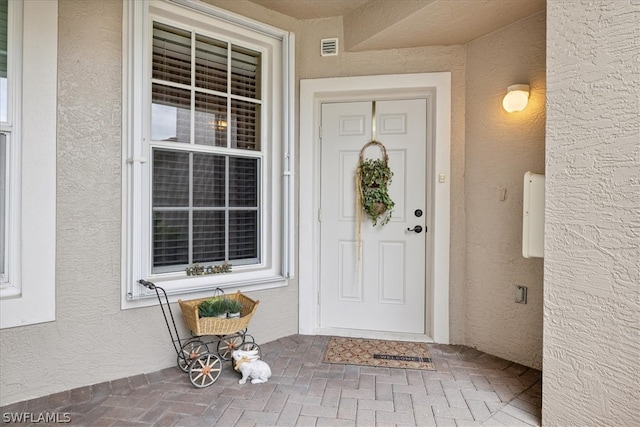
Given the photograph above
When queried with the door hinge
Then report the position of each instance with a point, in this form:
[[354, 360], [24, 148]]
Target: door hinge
[[320, 132], [319, 215]]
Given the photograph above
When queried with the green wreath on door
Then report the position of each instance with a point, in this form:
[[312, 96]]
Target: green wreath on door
[[373, 177]]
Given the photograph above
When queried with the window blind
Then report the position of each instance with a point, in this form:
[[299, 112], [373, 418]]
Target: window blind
[[245, 72], [171, 54], [4, 31], [231, 73], [205, 208], [211, 64]]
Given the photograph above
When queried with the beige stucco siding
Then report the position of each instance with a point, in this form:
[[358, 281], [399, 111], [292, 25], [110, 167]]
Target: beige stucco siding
[[92, 339], [591, 270], [591, 372], [500, 148], [90, 322]]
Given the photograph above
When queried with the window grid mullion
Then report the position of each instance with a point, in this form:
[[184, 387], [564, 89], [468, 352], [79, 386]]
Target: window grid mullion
[[229, 121], [226, 208], [192, 140], [190, 230], [205, 91], [230, 127]]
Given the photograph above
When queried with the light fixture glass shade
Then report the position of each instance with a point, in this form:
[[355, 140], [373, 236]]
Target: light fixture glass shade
[[516, 98]]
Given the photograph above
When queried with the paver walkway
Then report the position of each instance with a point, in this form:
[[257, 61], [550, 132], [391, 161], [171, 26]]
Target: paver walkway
[[469, 388]]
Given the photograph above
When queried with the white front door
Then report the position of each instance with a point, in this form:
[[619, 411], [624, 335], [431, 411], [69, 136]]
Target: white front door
[[384, 291]]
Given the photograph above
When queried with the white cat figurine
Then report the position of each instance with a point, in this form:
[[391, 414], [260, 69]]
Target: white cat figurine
[[248, 364]]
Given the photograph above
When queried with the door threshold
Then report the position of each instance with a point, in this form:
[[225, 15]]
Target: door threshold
[[380, 335]]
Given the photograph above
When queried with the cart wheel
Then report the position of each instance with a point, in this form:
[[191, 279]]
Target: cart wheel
[[226, 345], [248, 346], [189, 352], [205, 370]]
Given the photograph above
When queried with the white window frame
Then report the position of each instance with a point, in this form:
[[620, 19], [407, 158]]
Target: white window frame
[[10, 284], [28, 294], [276, 154]]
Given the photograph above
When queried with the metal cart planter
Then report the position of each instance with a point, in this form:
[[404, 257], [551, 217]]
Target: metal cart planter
[[194, 355]]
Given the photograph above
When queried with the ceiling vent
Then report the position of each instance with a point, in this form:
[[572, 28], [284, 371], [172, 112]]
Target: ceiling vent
[[329, 47]]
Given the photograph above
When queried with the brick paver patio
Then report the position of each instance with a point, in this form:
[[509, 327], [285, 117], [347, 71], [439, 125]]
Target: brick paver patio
[[469, 388]]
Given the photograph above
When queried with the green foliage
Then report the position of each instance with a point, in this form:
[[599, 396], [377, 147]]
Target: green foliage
[[374, 176], [218, 306], [374, 173], [377, 204], [213, 307], [234, 306]]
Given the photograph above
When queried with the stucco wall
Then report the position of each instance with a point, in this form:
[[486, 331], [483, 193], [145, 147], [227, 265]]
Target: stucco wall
[[500, 148], [399, 61], [591, 372], [92, 339]]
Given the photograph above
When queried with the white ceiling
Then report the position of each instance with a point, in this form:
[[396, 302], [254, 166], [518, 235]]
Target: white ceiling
[[388, 24], [311, 9]]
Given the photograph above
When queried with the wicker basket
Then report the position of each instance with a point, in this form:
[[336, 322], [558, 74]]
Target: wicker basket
[[217, 326]]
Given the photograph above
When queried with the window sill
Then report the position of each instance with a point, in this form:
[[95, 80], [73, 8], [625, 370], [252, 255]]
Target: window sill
[[176, 289], [8, 291]]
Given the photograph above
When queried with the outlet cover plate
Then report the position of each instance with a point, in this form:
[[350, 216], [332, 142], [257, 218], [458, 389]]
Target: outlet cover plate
[[521, 294]]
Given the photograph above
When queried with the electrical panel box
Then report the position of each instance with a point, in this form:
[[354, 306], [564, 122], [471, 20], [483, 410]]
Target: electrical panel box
[[533, 216]]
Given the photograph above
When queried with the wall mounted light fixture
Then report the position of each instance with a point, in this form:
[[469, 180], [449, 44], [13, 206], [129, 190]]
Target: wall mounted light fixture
[[516, 98]]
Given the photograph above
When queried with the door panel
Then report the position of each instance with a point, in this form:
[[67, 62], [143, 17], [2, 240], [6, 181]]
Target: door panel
[[392, 279], [384, 290], [348, 289]]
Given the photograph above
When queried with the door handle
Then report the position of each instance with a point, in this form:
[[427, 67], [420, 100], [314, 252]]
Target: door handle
[[417, 229]]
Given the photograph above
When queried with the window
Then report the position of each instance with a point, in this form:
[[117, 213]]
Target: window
[[204, 203], [207, 149], [4, 205], [4, 141], [10, 16], [28, 82]]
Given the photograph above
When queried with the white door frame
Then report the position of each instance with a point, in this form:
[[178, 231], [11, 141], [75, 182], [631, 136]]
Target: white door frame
[[437, 88]]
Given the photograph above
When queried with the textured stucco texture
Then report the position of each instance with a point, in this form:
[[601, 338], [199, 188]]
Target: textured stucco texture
[[590, 301], [500, 148], [90, 324], [92, 339], [591, 374]]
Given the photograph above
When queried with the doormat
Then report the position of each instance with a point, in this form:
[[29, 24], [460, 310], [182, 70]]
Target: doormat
[[389, 354]]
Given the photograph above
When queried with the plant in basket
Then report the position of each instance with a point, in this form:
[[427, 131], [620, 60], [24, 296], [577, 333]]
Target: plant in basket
[[373, 177], [213, 307], [234, 307]]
